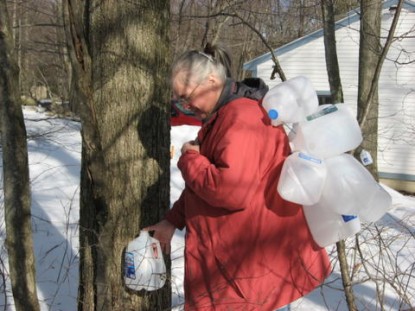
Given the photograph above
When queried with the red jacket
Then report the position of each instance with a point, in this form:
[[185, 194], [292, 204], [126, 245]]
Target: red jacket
[[246, 248]]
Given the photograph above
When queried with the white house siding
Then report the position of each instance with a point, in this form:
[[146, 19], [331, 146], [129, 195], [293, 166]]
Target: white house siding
[[305, 56], [397, 101]]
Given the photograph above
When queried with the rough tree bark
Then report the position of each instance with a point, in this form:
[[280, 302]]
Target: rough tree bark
[[121, 65], [17, 196]]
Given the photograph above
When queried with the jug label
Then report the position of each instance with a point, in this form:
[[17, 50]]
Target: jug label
[[309, 158], [347, 218], [155, 250], [322, 112], [366, 158], [129, 266]]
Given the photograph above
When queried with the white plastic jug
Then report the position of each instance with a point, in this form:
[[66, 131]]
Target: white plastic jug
[[290, 101], [328, 227], [331, 131], [377, 206], [302, 179], [144, 266], [350, 189]]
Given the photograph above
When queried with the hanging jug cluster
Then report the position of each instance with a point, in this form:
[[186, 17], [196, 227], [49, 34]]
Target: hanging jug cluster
[[337, 192]]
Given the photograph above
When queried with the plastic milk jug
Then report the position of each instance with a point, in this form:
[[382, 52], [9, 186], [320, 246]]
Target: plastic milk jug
[[351, 190], [330, 131], [144, 266], [290, 101], [327, 227], [302, 179], [378, 204]]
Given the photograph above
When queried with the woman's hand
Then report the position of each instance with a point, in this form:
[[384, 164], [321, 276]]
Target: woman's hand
[[163, 232], [190, 145]]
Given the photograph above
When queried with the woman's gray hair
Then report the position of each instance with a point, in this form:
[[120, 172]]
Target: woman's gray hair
[[197, 65]]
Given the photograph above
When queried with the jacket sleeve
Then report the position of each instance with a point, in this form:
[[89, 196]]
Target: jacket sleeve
[[176, 215], [233, 177]]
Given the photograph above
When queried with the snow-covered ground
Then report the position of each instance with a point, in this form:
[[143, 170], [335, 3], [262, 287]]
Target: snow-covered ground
[[55, 154]]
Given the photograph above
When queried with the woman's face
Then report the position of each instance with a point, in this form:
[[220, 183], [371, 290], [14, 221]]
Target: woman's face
[[200, 98]]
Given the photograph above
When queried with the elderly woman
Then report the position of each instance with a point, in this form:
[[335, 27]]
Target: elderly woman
[[246, 248]]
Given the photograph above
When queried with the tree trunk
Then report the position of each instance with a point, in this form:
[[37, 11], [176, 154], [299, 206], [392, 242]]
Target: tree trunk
[[369, 55], [336, 91], [121, 65], [370, 65], [345, 273], [332, 63], [17, 196]]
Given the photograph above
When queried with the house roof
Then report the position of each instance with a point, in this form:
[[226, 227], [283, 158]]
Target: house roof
[[352, 16]]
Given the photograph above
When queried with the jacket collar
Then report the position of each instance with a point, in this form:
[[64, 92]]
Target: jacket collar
[[253, 88]]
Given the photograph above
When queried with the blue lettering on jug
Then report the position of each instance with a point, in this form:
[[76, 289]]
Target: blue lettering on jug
[[309, 158], [273, 114], [129, 268], [347, 218]]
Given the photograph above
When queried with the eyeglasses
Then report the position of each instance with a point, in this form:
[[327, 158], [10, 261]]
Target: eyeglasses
[[185, 101]]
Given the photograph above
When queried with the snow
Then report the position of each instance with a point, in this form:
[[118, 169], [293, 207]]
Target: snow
[[54, 157]]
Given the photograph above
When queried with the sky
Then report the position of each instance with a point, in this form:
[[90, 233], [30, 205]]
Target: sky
[[54, 157]]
